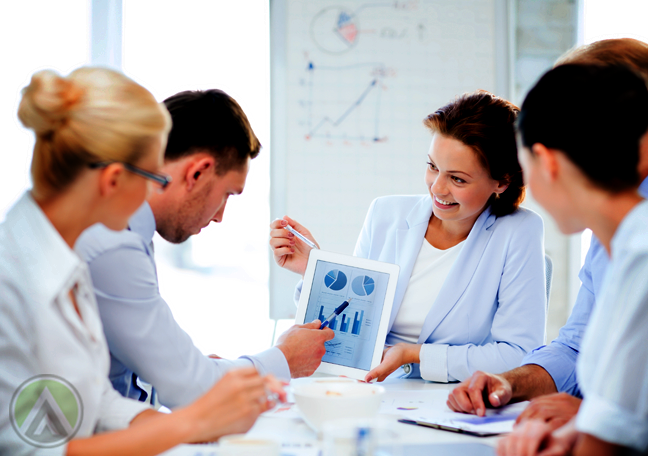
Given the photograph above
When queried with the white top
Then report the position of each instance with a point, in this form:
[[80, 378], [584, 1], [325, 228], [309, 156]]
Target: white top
[[613, 363], [430, 271], [42, 334]]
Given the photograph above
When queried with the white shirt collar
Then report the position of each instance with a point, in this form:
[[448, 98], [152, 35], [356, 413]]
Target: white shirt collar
[[42, 251]]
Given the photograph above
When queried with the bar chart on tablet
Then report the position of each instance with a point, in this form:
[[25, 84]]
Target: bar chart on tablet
[[356, 327], [351, 322]]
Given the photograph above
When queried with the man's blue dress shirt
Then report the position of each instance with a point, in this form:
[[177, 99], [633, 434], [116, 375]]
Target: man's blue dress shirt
[[142, 334], [559, 357]]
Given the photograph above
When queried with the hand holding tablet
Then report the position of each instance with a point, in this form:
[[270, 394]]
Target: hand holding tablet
[[393, 358], [361, 328]]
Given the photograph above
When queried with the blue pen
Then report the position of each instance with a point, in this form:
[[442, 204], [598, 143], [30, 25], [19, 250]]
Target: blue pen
[[337, 312]]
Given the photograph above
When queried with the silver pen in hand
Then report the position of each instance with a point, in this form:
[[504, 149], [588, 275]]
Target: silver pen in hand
[[307, 241]]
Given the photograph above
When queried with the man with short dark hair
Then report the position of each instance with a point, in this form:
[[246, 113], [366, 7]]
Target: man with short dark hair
[[207, 158]]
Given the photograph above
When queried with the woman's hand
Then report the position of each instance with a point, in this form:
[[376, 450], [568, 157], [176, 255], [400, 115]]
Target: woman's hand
[[289, 251], [232, 405], [393, 358]]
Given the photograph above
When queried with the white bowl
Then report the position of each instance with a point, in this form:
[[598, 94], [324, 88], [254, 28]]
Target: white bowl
[[319, 402]]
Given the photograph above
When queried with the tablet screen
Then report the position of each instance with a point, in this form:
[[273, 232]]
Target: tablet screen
[[356, 328]]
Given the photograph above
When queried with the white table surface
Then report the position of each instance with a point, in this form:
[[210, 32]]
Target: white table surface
[[296, 433]]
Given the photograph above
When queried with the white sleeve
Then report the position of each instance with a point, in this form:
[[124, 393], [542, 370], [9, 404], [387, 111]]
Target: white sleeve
[[615, 408], [116, 412], [19, 362]]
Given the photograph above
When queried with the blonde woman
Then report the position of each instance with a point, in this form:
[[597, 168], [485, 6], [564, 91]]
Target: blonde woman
[[99, 143]]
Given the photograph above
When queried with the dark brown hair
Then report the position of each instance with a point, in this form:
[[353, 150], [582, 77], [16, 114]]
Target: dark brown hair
[[601, 131], [486, 124], [210, 121]]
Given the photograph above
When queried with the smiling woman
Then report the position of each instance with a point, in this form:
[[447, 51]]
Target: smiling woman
[[460, 188], [471, 293], [485, 142]]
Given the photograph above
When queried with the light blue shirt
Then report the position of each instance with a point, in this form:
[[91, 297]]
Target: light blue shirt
[[142, 334], [613, 365], [559, 357]]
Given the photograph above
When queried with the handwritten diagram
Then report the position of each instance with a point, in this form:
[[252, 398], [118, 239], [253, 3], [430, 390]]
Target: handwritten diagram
[[334, 30], [353, 85], [329, 118]]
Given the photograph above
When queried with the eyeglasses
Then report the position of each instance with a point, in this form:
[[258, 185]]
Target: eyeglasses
[[162, 179]]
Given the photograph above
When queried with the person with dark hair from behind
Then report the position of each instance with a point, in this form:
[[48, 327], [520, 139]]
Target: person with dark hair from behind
[[547, 375], [471, 289], [581, 166], [207, 156]]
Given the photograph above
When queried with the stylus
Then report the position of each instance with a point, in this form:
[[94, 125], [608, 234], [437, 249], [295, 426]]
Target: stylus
[[300, 236], [335, 313]]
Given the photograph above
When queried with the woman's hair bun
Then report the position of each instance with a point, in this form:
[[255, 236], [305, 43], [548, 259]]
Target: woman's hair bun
[[93, 115], [47, 102]]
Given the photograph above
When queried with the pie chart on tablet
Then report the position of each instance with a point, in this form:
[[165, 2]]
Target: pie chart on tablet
[[363, 285], [335, 280]]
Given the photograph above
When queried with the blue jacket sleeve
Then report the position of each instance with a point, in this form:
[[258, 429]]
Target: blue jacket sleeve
[[559, 357], [363, 244], [519, 321]]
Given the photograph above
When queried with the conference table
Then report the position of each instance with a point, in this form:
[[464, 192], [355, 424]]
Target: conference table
[[298, 439]]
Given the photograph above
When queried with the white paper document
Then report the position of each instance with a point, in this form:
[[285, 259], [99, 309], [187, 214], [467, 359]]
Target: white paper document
[[413, 403], [428, 408]]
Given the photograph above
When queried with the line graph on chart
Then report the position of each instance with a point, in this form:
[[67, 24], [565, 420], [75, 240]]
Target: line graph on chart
[[351, 113]]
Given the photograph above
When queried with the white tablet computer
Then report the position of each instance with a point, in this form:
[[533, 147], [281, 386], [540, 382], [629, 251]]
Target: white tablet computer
[[361, 329]]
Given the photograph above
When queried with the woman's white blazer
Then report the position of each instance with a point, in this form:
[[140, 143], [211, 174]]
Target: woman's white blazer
[[491, 309]]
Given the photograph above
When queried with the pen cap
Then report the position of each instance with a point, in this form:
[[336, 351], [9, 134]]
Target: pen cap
[[341, 307]]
